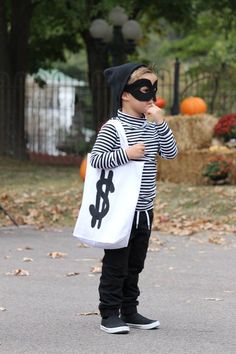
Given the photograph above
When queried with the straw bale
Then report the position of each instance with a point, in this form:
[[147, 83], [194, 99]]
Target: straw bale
[[192, 132], [188, 165]]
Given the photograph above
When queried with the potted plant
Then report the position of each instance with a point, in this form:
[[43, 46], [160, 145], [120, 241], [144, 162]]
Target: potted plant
[[218, 169], [225, 128]]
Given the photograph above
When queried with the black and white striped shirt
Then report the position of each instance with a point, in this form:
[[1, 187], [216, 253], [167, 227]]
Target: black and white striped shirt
[[157, 138]]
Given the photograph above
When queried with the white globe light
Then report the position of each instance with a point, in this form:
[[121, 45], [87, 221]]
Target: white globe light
[[132, 30], [99, 29], [118, 16]]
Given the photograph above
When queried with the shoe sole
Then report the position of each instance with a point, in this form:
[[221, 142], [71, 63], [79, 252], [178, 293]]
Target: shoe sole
[[152, 325], [116, 330]]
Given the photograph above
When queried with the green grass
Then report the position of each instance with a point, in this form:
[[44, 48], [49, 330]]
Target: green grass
[[39, 194], [44, 195], [199, 201], [25, 175]]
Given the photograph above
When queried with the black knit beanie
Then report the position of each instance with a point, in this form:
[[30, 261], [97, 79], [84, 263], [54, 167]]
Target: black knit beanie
[[117, 77]]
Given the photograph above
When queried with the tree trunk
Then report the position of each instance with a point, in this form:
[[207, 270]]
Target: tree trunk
[[97, 62], [13, 68], [4, 80]]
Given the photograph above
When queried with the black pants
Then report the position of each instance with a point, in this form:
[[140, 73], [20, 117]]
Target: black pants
[[118, 287]]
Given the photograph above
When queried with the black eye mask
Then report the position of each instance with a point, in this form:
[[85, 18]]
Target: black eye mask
[[135, 90]]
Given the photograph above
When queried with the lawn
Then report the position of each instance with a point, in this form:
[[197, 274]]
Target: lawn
[[46, 196]]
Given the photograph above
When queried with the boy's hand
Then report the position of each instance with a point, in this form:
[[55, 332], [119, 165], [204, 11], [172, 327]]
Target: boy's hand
[[155, 112], [135, 151]]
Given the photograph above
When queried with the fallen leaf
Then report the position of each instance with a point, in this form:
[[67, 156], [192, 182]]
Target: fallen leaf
[[26, 259], [153, 249], [155, 244], [71, 274], [96, 269], [213, 299], [217, 240], [4, 197], [93, 313], [19, 272], [164, 218], [57, 254], [82, 245]]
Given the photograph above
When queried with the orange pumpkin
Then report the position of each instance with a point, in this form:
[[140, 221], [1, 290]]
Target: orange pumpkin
[[82, 169], [160, 102], [193, 105]]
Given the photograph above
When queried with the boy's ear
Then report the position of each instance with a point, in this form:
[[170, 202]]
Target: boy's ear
[[125, 96]]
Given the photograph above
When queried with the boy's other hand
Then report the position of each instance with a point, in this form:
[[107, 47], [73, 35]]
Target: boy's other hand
[[135, 151]]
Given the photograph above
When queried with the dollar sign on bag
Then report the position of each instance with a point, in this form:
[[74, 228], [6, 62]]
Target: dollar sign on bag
[[102, 205]]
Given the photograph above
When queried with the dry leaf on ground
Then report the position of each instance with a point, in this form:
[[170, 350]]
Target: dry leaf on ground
[[26, 259], [155, 244], [93, 313], [96, 269], [217, 240], [57, 254], [19, 272], [82, 245], [71, 274]]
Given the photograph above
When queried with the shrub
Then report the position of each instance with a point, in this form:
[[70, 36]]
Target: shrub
[[217, 168], [226, 127]]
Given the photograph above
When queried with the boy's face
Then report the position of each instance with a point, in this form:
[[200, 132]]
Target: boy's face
[[143, 89], [139, 95]]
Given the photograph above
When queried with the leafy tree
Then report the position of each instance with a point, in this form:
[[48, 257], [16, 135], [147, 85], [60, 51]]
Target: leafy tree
[[206, 46], [32, 33], [36, 33], [13, 65]]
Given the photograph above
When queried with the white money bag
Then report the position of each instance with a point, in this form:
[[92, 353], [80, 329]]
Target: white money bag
[[109, 200]]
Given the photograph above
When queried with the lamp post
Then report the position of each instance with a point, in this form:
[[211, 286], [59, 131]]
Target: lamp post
[[119, 38], [111, 42]]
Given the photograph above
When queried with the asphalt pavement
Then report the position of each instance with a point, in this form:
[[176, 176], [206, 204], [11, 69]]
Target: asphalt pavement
[[49, 297]]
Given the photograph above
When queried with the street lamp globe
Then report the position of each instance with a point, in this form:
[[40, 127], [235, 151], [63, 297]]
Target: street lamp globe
[[131, 30], [99, 29], [119, 39], [117, 16]]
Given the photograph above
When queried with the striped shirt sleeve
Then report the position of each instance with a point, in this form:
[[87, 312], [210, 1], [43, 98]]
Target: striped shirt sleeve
[[167, 144], [106, 152]]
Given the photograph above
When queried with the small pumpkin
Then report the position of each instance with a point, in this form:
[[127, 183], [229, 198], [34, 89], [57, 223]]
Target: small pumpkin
[[193, 105], [82, 169], [160, 102]]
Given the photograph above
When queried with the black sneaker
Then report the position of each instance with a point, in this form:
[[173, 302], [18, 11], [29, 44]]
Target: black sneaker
[[114, 324], [138, 321]]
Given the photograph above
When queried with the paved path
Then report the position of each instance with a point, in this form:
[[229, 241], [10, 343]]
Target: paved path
[[189, 284]]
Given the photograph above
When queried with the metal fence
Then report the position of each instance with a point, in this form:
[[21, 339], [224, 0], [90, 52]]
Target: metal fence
[[218, 89], [58, 113]]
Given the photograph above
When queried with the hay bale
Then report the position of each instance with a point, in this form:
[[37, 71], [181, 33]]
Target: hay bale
[[188, 165], [192, 132]]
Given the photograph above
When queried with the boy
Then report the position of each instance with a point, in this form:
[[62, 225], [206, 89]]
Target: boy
[[134, 88]]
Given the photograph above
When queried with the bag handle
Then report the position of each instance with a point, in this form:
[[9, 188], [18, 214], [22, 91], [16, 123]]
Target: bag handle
[[121, 132]]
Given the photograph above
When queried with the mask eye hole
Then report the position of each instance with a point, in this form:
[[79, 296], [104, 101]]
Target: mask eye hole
[[144, 89]]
